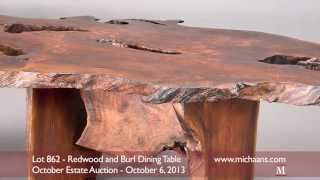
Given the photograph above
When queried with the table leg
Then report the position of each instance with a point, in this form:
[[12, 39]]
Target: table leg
[[225, 128], [56, 118]]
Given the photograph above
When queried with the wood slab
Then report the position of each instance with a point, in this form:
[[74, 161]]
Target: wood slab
[[161, 60], [154, 85]]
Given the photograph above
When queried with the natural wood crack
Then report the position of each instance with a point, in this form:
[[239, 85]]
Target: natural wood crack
[[148, 21], [118, 22], [307, 62], [121, 44], [10, 51], [19, 28]]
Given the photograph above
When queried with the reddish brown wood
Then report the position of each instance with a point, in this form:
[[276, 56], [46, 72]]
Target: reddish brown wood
[[162, 60], [226, 129], [136, 62], [121, 122], [56, 119], [82, 45]]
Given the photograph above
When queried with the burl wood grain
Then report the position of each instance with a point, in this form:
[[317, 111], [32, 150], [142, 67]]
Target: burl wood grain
[[163, 60], [225, 129], [56, 118], [121, 122]]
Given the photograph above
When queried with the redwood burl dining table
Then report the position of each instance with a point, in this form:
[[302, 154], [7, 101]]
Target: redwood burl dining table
[[151, 85]]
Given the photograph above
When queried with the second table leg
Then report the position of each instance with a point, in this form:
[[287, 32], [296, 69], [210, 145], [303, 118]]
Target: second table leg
[[225, 129]]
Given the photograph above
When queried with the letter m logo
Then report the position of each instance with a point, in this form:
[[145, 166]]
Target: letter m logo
[[281, 170]]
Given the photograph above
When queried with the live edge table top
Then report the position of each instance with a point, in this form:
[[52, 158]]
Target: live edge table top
[[162, 60]]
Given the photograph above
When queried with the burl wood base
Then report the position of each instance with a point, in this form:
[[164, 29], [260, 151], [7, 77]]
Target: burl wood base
[[56, 118]]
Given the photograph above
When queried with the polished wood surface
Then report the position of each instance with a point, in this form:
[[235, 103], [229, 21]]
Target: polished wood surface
[[143, 51], [56, 118], [226, 129], [164, 61]]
